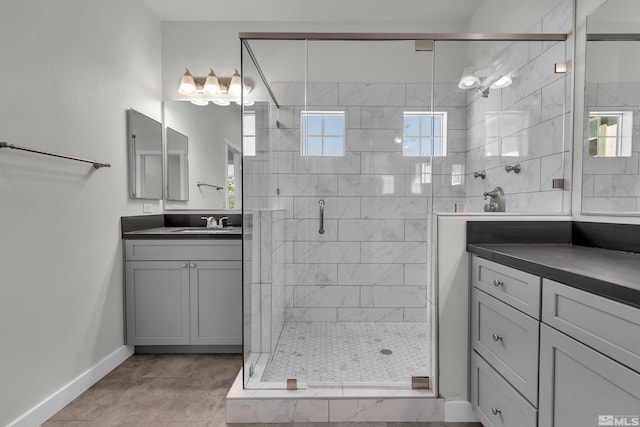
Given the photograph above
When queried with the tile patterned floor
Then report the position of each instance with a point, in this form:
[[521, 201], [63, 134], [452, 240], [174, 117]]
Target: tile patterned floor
[[350, 352]]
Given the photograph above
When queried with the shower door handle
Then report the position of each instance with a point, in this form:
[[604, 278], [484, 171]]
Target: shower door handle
[[321, 204]]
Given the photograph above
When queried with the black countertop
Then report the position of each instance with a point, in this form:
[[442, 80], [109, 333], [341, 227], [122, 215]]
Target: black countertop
[[179, 226], [599, 258]]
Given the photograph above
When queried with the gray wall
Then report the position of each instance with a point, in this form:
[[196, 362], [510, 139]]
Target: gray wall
[[70, 69]]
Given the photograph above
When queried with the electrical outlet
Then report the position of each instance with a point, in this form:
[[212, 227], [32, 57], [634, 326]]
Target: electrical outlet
[[147, 208]]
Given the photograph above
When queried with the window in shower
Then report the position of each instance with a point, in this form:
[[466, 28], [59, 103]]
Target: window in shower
[[610, 133], [322, 133], [249, 133], [424, 134]]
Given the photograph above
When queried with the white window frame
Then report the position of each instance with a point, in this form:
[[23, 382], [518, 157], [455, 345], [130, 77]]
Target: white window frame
[[624, 134], [304, 147], [421, 136]]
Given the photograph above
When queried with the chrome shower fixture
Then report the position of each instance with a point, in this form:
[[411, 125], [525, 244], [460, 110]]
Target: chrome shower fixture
[[515, 168]]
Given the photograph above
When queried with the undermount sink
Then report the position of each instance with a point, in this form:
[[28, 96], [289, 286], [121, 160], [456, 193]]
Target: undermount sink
[[205, 230]]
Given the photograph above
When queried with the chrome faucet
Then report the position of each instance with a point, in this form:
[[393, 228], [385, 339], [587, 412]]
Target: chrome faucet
[[497, 202], [213, 223]]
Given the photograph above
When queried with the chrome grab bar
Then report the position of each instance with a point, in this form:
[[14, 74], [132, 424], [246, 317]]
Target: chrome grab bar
[[321, 203]]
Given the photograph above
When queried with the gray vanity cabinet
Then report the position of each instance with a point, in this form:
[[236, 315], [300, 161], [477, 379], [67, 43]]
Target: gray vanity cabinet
[[157, 302], [183, 292], [545, 354], [216, 309]]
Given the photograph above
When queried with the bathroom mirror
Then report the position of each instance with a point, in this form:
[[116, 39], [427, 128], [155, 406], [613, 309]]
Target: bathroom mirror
[[145, 156], [611, 146], [208, 129], [177, 166]]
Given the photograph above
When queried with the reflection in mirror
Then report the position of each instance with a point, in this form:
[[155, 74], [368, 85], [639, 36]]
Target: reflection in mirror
[[611, 172], [234, 176], [177, 166], [145, 156], [208, 129]]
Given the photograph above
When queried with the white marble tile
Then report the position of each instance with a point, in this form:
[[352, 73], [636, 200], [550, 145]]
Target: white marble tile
[[284, 117], [456, 140], [335, 207], [298, 230], [551, 167], [609, 204], [442, 165], [389, 163], [311, 274], [285, 140], [393, 296], [370, 315], [448, 204], [371, 274], [444, 94], [446, 186], [370, 185], [560, 19], [326, 252], [311, 314], [416, 230], [284, 161], [528, 180], [306, 185], [616, 186], [394, 207], [618, 94], [373, 140], [543, 202], [372, 94], [553, 100], [326, 296], [382, 118], [610, 165], [399, 410], [356, 230], [534, 75], [416, 275], [277, 410], [587, 185], [347, 164], [415, 315], [394, 252], [456, 117], [546, 138], [265, 315]]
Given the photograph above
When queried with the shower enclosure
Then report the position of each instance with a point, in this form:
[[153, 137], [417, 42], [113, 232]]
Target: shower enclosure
[[350, 144]]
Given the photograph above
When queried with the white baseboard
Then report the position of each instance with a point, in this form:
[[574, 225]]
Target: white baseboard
[[61, 398], [459, 411]]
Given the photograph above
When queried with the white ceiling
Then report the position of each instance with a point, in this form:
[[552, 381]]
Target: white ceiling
[[315, 10]]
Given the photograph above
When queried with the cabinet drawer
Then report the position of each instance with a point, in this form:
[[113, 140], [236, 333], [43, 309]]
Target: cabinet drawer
[[508, 340], [494, 401], [579, 385], [608, 326], [517, 288], [171, 250]]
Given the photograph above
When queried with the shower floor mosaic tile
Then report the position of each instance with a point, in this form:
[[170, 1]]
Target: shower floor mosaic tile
[[350, 352]]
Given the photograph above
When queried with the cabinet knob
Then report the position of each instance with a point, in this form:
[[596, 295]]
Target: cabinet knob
[[193, 265], [496, 411], [497, 337], [497, 283], [184, 266]]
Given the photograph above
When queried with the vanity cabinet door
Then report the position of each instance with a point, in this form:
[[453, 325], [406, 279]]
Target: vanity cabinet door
[[580, 386], [216, 302], [157, 302]]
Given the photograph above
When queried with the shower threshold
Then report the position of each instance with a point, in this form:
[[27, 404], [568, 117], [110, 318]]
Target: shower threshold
[[332, 404]]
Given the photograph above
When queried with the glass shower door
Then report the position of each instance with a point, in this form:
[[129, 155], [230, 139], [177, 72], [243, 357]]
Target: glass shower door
[[368, 136]]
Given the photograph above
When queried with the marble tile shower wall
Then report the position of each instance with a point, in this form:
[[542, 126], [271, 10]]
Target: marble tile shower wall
[[527, 123], [371, 263], [612, 184]]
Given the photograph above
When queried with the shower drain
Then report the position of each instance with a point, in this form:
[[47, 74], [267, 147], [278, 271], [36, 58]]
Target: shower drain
[[386, 351]]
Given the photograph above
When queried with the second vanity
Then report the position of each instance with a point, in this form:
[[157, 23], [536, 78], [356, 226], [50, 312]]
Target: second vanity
[[183, 284], [555, 329]]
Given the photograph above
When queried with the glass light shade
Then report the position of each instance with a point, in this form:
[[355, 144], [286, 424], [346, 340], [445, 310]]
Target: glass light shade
[[220, 101], [235, 86], [211, 85], [468, 79], [200, 102], [187, 84], [503, 81]]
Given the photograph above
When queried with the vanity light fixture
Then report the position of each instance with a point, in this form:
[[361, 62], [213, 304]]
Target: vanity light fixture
[[221, 91], [468, 79]]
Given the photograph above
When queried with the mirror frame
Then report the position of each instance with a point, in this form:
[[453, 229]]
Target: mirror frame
[[184, 168], [136, 121]]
